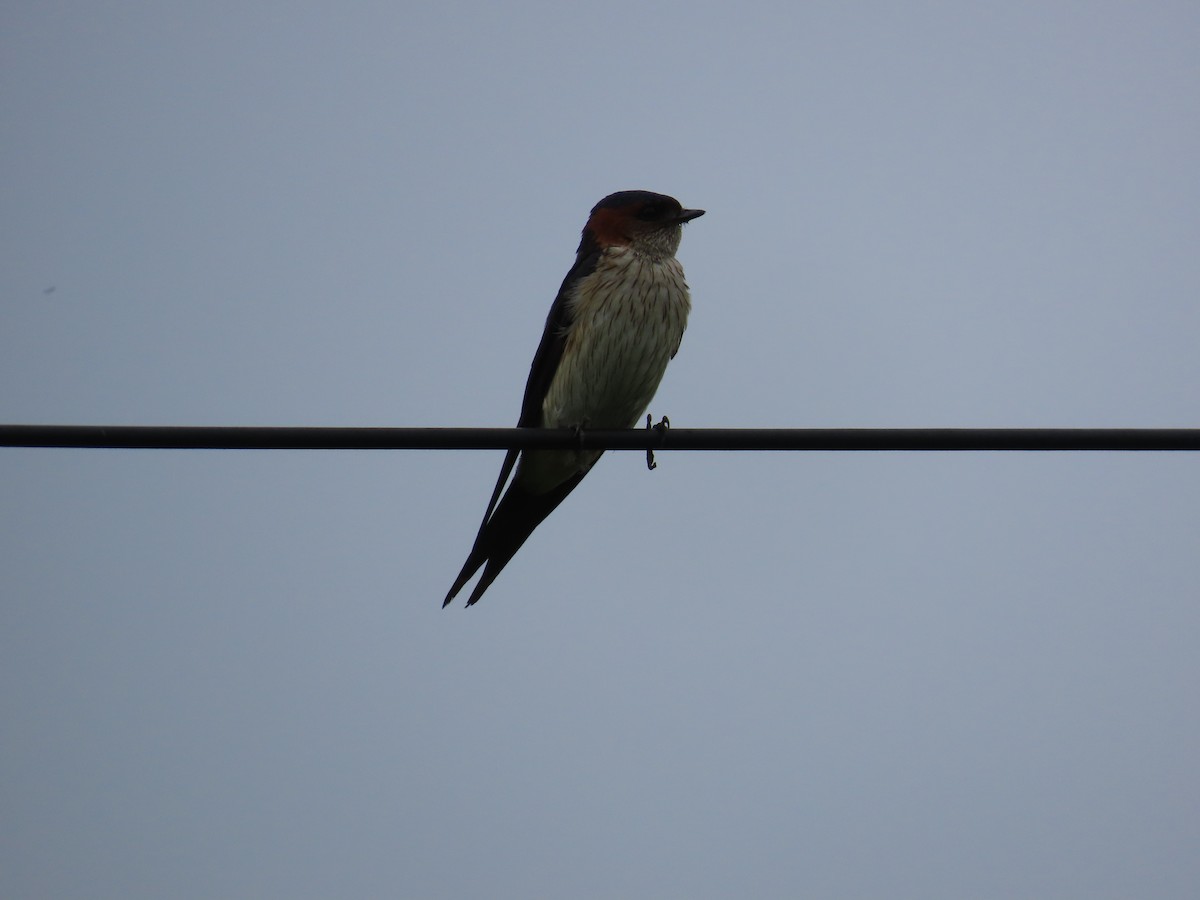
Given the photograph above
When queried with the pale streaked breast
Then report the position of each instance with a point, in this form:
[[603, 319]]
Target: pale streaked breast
[[628, 319]]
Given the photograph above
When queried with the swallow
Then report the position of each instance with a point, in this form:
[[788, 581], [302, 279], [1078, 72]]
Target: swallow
[[616, 322]]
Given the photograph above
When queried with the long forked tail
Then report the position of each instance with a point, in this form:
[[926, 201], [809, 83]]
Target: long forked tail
[[503, 533]]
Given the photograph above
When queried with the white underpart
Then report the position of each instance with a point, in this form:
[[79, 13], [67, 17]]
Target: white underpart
[[628, 319]]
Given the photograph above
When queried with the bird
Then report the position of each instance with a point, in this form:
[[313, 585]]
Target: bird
[[616, 322]]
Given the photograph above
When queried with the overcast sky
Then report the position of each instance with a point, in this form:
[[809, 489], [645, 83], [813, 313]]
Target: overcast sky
[[228, 674]]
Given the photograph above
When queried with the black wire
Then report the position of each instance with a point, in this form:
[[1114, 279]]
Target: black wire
[[841, 439]]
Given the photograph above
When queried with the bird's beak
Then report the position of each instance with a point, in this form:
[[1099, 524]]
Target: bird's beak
[[688, 214]]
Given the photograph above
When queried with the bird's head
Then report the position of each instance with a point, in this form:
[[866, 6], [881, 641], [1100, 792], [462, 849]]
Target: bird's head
[[649, 223]]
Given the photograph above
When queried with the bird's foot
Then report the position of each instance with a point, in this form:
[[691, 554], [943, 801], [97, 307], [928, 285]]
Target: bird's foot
[[660, 428]]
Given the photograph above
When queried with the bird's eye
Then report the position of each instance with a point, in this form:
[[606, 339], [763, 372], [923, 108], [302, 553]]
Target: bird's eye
[[652, 211]]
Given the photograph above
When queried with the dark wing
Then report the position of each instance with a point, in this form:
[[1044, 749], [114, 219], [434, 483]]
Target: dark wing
[[506, 526], [554, 339]]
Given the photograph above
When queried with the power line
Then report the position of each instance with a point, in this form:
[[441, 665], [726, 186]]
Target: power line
[[804, 439]]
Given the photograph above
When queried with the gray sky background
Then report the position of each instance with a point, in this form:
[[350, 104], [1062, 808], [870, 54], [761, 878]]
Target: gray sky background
[[227, 674]]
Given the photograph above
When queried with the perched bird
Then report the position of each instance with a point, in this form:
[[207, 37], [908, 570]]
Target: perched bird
[[615, 324]]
